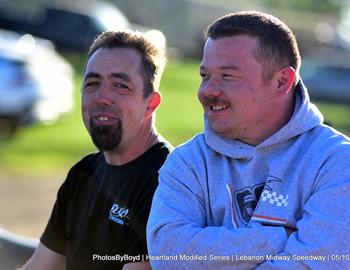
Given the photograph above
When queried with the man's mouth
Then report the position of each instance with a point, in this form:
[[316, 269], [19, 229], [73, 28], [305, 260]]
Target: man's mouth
[[218, 107], [104, 119]]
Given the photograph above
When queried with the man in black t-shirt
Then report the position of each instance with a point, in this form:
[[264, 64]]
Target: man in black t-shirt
[[99, 218]]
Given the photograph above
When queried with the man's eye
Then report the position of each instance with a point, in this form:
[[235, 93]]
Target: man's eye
[[230, 77], [121, 85], [204, 76], [89, 85]]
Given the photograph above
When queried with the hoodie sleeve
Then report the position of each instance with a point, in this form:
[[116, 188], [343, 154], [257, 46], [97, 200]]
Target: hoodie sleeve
[[179, 238], [322, 236]]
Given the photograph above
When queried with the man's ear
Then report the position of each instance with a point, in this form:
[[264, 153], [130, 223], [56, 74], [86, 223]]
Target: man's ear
[[153, 102], [284, 80]]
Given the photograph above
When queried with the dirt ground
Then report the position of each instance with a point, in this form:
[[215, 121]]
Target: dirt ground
[[26, 204]]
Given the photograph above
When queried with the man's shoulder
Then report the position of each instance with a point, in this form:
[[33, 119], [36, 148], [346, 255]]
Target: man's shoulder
[[330, 138], [162, 148], [193, 144], [87, 164], [154, 156], [328, 144], [191, 150], [93, 156], [90, 158]]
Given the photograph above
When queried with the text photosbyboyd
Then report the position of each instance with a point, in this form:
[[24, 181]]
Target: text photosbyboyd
[[118, 257], [213, 257]]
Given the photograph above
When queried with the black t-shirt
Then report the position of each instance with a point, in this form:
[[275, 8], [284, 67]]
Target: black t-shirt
[[101, 211]]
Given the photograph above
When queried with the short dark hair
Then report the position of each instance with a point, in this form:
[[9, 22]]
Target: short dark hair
[[277, 45], [152, 58]]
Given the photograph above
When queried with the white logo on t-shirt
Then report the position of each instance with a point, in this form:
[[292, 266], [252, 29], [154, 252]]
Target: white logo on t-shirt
[[119, 214]]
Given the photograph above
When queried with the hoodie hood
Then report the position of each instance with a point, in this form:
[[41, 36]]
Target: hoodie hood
[[305, 117]]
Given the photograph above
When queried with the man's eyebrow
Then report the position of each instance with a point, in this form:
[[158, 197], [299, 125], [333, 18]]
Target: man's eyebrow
[[92, 75], [233, 67], [121, 75], [230, 67]]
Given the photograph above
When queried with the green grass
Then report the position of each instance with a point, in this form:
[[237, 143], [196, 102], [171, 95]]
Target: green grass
[[43, 149], [180, 114], [337, 115]]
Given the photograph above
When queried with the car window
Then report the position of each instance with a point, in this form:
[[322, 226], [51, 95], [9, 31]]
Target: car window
[[65, 20], [335, 72], [326, 72]]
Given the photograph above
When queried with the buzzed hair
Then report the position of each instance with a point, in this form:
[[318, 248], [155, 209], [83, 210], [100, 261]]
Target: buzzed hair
[[152, 58], [277, 45]]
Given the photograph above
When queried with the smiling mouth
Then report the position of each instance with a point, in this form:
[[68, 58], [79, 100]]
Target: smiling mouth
[[218, 107], [103, 118]]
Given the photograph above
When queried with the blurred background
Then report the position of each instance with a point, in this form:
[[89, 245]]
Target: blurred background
[[42, 54]]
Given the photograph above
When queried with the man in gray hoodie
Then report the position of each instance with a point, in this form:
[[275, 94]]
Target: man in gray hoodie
[[267, 184]]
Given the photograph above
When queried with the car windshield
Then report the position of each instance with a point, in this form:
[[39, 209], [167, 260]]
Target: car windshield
[[111, 19]]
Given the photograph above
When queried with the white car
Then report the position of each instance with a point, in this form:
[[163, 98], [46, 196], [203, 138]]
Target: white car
[[35, 82]]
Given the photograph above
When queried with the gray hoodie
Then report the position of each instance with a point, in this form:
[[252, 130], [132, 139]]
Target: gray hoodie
[[283, 204]]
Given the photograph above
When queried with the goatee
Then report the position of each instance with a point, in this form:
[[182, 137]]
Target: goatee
[[106, 138]]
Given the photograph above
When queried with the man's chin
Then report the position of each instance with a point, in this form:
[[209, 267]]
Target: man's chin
[[222, 130], [105, 143], [106, 137], [218, 127]]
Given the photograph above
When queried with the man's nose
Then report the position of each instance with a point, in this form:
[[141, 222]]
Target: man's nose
[[210, 88], [103, 96]]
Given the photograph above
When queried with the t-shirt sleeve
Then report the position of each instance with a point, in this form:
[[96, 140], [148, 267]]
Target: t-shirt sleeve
[[55, 234]]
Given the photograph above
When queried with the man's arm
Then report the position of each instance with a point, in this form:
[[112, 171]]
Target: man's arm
[[323, 233], [45, 259], [177, 227]]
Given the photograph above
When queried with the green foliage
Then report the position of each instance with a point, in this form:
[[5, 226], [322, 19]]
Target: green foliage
[[41, 149], [318, 6]]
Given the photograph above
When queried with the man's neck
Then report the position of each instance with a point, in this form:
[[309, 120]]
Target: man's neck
[[135, 149], [278, 121]]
